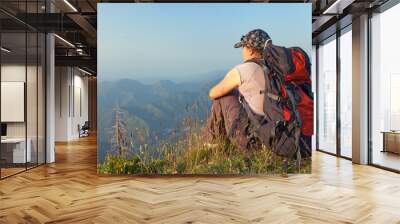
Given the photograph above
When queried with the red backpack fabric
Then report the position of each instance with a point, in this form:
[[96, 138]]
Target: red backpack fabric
[[301, 76]]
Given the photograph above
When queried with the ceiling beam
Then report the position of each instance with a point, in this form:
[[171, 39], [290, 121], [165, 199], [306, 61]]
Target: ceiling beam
[[84, 24], [81, 61], [338, 6]]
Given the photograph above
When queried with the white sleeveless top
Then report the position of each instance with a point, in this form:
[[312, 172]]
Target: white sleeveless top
[[252, 82]]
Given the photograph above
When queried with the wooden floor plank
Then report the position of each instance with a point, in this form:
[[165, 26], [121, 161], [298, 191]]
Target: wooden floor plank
[[70, 191]]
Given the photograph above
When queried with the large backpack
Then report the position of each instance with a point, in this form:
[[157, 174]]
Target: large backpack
[[287, 126]]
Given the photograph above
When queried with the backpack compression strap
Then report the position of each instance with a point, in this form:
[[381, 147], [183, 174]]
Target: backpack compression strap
[[271, 95]]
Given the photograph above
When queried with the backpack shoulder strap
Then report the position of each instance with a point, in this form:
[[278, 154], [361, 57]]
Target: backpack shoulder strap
[[263, 65], [259, 62]]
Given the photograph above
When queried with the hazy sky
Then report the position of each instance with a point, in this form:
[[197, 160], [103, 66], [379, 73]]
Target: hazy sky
[[150, 42]]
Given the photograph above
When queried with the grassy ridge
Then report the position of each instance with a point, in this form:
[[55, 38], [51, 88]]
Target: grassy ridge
[[192, 156]]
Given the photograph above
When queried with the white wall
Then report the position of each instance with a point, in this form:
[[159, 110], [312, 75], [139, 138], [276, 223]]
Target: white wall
[[12, 73], [62, 81], [33, 126], [80, 110], [71, 94]]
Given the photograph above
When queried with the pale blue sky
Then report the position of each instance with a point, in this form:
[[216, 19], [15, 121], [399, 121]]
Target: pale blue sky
[[150, 42]]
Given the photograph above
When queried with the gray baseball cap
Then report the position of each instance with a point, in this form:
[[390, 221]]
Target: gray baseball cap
[[254, 39]]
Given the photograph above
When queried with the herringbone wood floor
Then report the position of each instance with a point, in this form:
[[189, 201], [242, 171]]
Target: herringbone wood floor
[[69, 191]]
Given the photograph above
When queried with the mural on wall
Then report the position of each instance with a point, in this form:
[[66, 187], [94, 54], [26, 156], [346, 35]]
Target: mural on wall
[[170, 77]]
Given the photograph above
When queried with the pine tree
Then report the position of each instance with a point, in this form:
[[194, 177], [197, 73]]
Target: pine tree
[[122, 143]]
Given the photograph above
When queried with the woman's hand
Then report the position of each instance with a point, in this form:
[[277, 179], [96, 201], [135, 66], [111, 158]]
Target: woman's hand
[[230, 82]]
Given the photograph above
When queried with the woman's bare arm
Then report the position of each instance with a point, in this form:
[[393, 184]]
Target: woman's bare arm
[[231, 81]]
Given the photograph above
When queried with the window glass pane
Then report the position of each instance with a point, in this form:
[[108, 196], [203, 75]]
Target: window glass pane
[[13, 86], [22, 88], [385, 89], [327, 96], [31, 97], [346, 94], [41, 98], [31, 88]]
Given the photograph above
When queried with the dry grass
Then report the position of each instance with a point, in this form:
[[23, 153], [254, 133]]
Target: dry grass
[[191, 156]]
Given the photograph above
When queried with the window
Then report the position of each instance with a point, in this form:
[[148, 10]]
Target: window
[[385, 89], [346, 92], [22, 87], [327, 96]]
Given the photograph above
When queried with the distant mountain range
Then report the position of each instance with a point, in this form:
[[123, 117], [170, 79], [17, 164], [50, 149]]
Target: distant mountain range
[[152, 112]]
